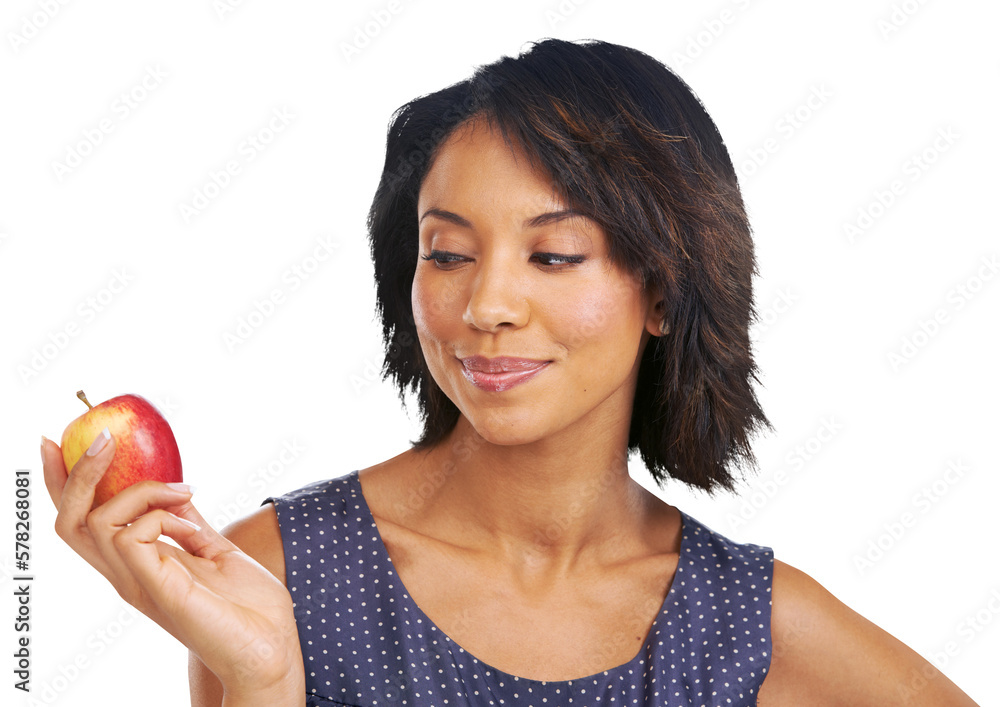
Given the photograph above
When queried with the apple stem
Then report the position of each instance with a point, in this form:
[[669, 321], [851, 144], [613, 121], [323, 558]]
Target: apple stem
[[83, 396]]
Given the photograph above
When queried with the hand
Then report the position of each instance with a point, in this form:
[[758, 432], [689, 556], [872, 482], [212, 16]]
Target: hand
[[224, 606]]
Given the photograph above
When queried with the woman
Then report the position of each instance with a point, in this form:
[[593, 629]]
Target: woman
[[564, 273]]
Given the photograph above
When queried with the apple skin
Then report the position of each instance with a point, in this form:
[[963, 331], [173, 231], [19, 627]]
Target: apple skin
[[146, 448]]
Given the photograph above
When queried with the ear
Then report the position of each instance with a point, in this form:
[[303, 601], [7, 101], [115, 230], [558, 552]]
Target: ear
[[655, 323]]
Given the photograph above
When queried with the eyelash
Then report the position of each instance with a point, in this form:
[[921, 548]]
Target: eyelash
[[443, 259]]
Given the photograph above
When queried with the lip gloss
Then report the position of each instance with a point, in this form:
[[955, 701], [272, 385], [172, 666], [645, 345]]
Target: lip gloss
[[499, 382]]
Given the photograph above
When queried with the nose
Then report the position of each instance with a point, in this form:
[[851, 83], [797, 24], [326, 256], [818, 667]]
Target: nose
[[496, 299]]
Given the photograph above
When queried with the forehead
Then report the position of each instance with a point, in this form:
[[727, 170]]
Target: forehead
[[476, 162]]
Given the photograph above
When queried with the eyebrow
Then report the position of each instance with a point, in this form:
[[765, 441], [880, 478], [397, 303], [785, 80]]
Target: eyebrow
[[533, 222]]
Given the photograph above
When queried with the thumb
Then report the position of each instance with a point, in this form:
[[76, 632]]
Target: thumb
[[78, 491], [53, 469]]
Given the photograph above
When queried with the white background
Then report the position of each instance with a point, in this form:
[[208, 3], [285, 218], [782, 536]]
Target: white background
[[886, 79]]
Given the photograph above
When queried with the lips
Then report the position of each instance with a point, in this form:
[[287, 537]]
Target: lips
[[501, 373]]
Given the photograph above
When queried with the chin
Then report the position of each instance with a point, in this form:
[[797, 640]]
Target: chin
[[508, 438], [506, 430]]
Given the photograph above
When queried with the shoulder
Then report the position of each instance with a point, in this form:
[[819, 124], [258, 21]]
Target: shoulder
[[746, 568], [259, 536], [824, 653], [706, 539], [259, 533]]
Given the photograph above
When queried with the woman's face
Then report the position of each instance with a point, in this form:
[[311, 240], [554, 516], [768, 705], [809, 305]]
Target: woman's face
[[523, 321]]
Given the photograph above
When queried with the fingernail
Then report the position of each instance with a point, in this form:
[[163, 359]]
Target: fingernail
[[185, 521], [44, 440], [99, 443], [183, 488]]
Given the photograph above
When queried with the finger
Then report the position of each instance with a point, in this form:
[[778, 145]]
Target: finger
[[53, 470], [136, 500], [208, 542], [167, 584], [175, 591], [78, 492], [77, 497], [109, 519]]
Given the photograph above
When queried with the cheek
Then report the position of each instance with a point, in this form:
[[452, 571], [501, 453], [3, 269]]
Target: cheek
[[436, 303], [606, 314], [426, 320], [419, 302]]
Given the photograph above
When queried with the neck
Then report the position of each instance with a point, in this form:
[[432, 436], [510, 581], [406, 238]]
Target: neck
[[544, 504]]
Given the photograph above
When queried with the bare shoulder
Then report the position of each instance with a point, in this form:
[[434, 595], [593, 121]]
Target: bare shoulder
[[825, 653], [259, 536]]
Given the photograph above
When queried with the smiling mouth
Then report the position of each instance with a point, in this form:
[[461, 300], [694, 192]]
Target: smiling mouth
[[496, 375]]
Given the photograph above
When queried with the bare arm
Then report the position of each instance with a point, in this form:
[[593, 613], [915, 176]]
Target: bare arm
[[825, 654], [259, 537]]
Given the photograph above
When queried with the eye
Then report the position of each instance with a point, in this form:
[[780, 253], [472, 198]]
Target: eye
[[445, 260], [557, 260]]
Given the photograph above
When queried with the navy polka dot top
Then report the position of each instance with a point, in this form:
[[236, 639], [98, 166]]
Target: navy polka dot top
[[365, 642]]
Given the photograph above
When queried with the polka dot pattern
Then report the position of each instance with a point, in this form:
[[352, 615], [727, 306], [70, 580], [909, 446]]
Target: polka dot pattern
[[366, 643]]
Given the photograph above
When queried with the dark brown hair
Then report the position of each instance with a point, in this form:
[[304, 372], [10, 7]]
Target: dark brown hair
[[628, 144]]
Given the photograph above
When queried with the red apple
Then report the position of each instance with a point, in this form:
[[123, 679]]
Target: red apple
[[146, 448]]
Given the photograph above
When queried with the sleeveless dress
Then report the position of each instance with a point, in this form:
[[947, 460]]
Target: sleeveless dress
[[365, 643]]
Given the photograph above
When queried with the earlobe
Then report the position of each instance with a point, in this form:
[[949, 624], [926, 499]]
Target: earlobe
[[657, 324]]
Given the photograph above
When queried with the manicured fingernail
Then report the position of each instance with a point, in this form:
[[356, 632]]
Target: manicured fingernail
[[44, 440], [185, 521], [100, 442], [183, 488]]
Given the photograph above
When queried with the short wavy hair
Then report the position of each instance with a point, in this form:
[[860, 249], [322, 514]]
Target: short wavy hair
[[627, 143]]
